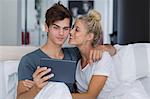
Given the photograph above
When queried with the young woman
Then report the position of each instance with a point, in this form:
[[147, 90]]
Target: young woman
[[96, 80]]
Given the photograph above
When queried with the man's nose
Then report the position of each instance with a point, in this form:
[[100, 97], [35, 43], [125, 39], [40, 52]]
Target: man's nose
[[61, 32]]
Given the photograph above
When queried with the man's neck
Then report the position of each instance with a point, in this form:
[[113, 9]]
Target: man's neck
[[53, 50]]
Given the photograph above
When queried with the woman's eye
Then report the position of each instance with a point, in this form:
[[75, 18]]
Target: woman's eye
[[77, 30]]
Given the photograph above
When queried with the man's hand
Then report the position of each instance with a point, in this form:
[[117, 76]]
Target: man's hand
[[39, 78]]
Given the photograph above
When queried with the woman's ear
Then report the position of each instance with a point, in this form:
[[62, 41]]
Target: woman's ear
[[90, 36], [46, 27]]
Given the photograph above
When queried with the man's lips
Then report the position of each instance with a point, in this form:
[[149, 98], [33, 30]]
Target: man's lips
[[60, 38]]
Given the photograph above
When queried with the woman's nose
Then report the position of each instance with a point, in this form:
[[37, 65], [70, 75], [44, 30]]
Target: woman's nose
[[71, 32]]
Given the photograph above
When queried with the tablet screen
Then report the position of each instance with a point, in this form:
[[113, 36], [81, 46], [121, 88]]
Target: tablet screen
[[63, 70]]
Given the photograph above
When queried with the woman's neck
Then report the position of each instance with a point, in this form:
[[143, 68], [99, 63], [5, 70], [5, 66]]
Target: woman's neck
[[85, 52], [53, 50]]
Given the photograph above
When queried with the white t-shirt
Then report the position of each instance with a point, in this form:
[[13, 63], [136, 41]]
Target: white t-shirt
[[102, 67]]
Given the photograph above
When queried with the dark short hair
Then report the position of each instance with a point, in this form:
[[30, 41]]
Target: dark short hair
[[57, 12]]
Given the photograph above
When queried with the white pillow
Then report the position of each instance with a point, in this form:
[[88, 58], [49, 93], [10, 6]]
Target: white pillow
[[148, 53], [146, 84], [131, 61], [124, 64], [2, 84], [11, 78], [141, 59]]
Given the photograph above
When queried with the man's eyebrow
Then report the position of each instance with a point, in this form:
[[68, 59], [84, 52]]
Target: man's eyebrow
[[56, 25], [63, 27]]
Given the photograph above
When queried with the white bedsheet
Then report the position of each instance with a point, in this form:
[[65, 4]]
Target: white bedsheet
[[54, 90], [134, 90]]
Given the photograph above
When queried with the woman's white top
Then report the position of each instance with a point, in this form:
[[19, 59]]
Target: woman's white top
[[102, 67]]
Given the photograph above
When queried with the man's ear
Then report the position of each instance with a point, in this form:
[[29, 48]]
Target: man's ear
[[46, 28], [90, 36]]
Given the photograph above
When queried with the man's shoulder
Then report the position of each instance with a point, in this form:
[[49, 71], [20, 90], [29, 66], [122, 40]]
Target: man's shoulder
[[73, 52], [70, 48], [31, 55], [73, 49]]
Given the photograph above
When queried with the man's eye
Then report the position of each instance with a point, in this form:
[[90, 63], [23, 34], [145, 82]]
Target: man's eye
[[55, 27], [66, 29]]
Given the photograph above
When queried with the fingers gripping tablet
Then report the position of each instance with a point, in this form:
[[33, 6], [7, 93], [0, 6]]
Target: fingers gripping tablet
[[63, 70]]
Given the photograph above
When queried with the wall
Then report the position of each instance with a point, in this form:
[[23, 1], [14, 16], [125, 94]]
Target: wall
[[31, 13], [149, 20], [9, 22], [32, 26], [133, 24], [12, 20], [105, 7], [0, 21]]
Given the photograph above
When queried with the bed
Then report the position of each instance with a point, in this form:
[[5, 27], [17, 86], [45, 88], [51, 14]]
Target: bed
[[132, 63]]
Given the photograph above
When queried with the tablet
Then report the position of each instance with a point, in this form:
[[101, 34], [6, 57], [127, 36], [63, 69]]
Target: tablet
[[63, 70]]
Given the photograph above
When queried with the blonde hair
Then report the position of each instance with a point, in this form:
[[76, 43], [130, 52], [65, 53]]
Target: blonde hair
[[92, 21]]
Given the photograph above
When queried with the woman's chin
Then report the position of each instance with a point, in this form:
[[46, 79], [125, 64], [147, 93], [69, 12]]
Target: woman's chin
[[71, 43]]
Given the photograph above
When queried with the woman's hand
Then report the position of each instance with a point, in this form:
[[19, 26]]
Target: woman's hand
[[107, 47], [96, 53], [28, 84]]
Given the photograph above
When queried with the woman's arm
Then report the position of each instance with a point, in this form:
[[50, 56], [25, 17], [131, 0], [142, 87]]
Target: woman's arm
[[26, 85], [24, 94], [96, 53], [96, 84], [107, 47]]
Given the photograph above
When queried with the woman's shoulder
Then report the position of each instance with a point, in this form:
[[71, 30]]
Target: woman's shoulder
[[105, 61], [106, 55]]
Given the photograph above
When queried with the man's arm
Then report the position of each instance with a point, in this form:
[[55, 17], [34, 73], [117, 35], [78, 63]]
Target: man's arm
[[39, 83]]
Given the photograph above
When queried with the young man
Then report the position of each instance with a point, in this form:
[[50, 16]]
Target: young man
[[57, 25]]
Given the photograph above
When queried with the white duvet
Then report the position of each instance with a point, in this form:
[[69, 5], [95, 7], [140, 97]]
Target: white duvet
[[54, 90]]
